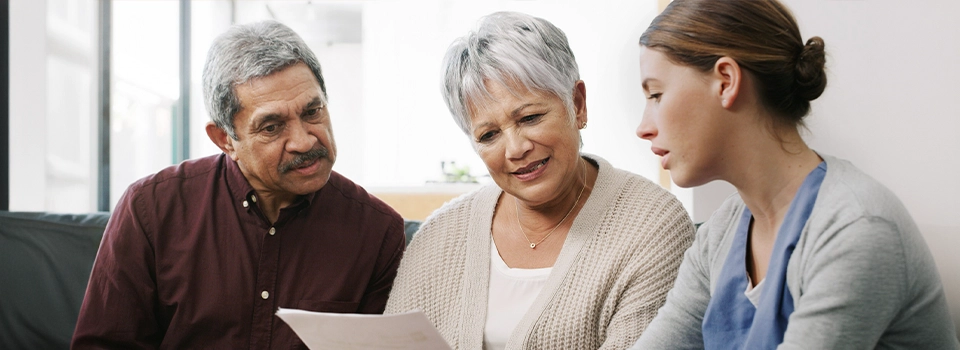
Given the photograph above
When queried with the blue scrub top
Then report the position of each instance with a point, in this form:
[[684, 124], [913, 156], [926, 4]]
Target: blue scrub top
[[731, 320]]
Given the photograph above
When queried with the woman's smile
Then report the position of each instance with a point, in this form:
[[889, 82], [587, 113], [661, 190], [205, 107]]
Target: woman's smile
[[531, 171]]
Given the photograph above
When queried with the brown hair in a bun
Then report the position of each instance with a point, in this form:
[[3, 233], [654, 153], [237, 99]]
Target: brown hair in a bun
[[761, 35]]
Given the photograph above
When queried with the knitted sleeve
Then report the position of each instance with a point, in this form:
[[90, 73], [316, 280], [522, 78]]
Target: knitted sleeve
[[653, 270], [430, 275], [678, 323], [624, 271]]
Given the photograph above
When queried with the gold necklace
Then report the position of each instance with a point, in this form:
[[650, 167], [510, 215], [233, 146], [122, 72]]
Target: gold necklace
[[517, 206]]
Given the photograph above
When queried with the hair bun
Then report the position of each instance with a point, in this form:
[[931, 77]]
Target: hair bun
[[811, 78]]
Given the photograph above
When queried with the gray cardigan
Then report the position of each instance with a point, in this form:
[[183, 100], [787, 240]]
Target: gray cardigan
[[861, 275]]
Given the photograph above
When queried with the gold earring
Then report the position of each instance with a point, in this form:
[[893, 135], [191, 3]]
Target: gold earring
[[583, 125]]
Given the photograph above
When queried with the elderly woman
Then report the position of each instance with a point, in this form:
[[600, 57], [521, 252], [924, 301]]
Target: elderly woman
[[565, 251], [811, 253]]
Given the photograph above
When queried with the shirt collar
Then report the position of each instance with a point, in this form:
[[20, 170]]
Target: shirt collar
[[241, 190]]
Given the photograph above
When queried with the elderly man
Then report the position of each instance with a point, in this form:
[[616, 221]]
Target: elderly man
[[201, 254]]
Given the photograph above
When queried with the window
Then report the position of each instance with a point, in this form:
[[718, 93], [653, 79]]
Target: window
[[144, 90]]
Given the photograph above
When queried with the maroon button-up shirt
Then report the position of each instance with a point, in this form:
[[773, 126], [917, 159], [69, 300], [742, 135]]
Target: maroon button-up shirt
[[188, 261]]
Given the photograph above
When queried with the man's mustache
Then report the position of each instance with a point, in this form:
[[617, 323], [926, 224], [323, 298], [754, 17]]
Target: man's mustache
[[314, 154]]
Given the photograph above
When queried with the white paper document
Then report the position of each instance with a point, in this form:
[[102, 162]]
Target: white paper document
[[322, 330]]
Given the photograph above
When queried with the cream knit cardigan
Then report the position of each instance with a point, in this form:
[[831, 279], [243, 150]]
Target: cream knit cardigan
[[616, 266]]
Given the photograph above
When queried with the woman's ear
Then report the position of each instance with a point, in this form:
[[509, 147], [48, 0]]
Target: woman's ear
[[580, 103], [730, 79]]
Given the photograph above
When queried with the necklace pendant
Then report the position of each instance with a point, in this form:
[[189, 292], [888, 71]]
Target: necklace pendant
[[533, 245]]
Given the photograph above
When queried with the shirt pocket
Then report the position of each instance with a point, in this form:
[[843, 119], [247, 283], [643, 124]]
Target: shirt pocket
[[342, 307]]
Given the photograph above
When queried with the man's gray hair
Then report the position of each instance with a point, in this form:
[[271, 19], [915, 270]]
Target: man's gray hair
[[248, 52], [508, 48]]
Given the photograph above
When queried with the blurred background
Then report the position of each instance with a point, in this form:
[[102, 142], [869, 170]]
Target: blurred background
[[381, 60]]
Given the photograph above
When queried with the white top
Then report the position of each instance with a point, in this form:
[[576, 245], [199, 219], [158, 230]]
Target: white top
[[753, 293], [512, 292]]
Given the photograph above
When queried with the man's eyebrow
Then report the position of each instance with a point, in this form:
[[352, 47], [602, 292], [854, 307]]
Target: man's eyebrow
[[315, 102], [258, 121]]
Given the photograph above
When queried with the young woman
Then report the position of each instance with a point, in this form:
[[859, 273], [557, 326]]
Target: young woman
[[811, 252]]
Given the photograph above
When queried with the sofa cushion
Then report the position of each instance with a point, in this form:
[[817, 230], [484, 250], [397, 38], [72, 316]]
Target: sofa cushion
[[46, 261], [410, 227]]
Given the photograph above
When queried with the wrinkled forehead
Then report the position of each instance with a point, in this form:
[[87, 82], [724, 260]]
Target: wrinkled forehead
[[294, 85], [266, 71]]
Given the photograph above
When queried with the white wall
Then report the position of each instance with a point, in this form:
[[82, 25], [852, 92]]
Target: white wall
[[707, 198], [890, 107]]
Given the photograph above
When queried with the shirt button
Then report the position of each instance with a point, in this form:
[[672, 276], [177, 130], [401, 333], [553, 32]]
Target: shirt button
[[245, 204], [264, 295], [273, 231], [253, 198]]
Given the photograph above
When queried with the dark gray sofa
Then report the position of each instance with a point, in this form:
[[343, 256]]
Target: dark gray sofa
[[46, 261]]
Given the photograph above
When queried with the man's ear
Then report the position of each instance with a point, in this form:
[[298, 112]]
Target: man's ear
[[730, 79], [580, 103], [221, 139]]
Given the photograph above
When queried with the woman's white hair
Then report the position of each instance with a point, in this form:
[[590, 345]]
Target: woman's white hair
[[508, 48]]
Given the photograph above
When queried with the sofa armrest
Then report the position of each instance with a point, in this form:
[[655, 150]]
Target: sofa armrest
[[46, 261]]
